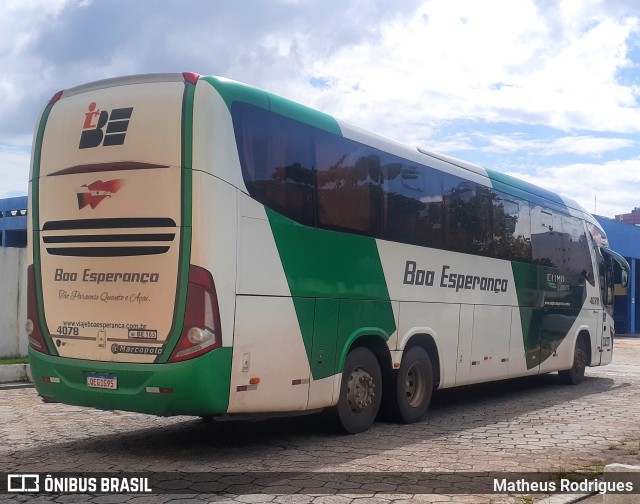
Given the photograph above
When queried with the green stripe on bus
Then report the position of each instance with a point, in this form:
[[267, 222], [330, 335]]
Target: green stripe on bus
[[198, 387], [525, 190], [540, 339], [186, 226], [232, 91], [303, 114], [328, 271], [35, 223]]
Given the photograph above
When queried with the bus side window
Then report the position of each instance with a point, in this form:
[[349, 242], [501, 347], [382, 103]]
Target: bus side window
[[349, 192], [511, 228], [467, 216], [576, 250], [545, 246], [412, 204]]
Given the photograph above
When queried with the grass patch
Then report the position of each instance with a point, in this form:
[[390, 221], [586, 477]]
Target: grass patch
[[578, 473], [628, 446], [14, 360]]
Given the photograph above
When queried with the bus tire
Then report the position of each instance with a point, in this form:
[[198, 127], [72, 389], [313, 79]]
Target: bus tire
[[575, 375], [360, 391], [411, 393]]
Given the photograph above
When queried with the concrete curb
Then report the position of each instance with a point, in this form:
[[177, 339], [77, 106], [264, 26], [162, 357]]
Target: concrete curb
[[15, 373], [630, 470], [607, 498], [563, 499]]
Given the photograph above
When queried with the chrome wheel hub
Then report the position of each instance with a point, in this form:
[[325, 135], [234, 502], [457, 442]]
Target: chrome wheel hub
[[414, 385], [360, 390]]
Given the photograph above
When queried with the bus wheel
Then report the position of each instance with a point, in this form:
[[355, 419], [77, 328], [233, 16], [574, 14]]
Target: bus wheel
[[413, 387], [575, 375], [360, 391]]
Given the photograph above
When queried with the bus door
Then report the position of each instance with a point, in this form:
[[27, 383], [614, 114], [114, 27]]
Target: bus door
[[608, 258]]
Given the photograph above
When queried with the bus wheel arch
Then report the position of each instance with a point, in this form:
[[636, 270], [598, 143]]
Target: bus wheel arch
[[581, 359], [584, 334], [370, 338], [408, 390]]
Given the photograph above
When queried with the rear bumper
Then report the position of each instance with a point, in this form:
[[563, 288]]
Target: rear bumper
[[199, 386]]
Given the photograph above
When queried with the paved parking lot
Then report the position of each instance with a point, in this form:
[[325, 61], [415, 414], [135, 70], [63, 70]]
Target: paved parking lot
[[532, 424]]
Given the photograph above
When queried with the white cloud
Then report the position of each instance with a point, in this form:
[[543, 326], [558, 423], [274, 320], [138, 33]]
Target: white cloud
[[584, 145], [14, 171], [498, 60], [24, 75], [452, 144], [607, 185], [580, 145]]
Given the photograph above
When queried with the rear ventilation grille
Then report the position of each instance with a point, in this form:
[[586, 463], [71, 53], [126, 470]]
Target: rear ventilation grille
[[151, 241]]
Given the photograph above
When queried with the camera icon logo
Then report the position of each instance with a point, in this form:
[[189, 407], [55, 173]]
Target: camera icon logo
[[23, 483]]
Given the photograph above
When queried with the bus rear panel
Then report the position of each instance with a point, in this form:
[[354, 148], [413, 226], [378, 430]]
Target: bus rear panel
[[116, 311]]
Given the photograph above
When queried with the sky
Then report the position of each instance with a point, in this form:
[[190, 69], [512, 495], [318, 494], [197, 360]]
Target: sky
[[544, 90]]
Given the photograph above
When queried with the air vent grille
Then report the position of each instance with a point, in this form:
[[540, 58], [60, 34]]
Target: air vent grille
[[143, 237]]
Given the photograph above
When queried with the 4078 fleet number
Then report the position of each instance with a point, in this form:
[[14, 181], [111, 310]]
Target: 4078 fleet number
[[67, 331]]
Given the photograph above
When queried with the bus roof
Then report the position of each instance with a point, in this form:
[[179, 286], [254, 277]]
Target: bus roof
[[123, 81], [231, 91]]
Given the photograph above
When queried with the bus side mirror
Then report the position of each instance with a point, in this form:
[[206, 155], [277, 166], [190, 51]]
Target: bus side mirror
[[624, 278], [622, 262]]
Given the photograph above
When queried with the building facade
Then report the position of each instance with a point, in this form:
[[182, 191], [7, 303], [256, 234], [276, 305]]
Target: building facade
[[630, 218], [13, 276], [13, 222]]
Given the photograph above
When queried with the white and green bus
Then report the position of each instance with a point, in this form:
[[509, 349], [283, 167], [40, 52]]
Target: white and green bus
[[202, 247]]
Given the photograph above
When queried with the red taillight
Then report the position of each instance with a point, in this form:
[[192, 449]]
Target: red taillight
[[36, 338], [190, 77], [201, 330], [56, 97]]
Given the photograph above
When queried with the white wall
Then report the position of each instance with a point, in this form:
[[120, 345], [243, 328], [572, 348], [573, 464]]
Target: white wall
[[13, 301]]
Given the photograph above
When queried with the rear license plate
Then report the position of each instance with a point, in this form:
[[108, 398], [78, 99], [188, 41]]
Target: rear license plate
[[143, 334], [102, 381]]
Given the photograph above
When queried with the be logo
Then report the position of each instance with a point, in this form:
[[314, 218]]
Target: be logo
[[95, 120]]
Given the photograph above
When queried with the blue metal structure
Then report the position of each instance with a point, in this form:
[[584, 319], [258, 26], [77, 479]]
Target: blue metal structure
[[625, 239], [13, 222]]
